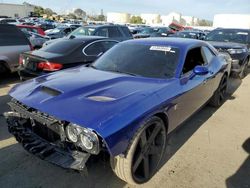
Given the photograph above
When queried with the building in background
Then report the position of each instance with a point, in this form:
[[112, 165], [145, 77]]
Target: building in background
[[151, 19], [232, 21], [16, 10], [171, 17], [189, 20], [119, 18]]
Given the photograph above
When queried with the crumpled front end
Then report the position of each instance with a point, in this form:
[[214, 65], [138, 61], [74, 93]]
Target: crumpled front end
[[44, 136]]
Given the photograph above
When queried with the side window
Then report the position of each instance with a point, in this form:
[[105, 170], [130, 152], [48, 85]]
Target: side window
[[126, 31], [94, 49], [102, 32], [114, 32], [193, 58], [208, 55], [108, 44]]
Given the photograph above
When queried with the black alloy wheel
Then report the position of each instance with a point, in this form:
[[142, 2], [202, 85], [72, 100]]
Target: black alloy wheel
[[148, 152]]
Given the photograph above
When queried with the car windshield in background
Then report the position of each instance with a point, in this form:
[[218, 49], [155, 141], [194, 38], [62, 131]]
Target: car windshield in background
[[186, 34], [147, 31], [56, 30], [83, 31], [140, 60], [61, 47], [233, 35]]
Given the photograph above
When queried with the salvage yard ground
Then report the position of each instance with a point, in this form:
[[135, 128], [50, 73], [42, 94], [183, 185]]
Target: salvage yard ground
[[211, 150]]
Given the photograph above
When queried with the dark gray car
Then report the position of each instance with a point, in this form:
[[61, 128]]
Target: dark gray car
[[12, 42], [115, 32]]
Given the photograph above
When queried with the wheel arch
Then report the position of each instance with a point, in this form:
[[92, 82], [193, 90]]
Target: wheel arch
[[5, 64], [164, 118], [160, 114]]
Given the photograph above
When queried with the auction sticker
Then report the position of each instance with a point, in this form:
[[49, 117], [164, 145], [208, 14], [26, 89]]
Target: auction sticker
[[162, 48]]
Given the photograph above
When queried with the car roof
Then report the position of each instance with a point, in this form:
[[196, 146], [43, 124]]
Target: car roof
[[239, 29], [106, 25], [85, 38], [182, 43]]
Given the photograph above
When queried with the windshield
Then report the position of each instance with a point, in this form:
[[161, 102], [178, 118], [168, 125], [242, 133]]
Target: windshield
[[56, 30], [228, 36], [140, 60], [186, 35], [83, 31], [147, 31]]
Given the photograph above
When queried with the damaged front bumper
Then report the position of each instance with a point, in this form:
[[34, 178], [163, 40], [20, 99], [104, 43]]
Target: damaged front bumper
[[22, 124]]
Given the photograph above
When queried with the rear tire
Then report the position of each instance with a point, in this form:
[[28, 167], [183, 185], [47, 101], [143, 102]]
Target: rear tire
[[219, 95], [3, 69], [144, 154]]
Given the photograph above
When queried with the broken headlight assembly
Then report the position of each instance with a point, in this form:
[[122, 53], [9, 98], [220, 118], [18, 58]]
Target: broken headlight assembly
[[83, 138]]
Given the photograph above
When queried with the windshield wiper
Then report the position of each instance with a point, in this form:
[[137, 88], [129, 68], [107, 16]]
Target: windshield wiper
[[124, 72]]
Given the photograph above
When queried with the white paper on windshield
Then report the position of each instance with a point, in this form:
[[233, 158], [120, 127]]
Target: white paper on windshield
[[162, 48], [242, 33]]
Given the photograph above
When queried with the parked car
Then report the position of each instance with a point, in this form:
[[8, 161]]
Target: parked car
[[46, 26], [9, 21], [33, 29], [236, 42], [145, 33], [126, 103], [59, 32], [115, 32], [36, 40], [62, 54], [135, 30], [12, 42], [162, 32], [190, 34]]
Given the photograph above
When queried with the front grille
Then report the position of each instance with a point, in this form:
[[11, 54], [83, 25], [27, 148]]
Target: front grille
[[45, 126]]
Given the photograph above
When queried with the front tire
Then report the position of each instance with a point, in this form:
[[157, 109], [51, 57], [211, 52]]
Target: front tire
[[144, 154], [220, 94], [244, 71]]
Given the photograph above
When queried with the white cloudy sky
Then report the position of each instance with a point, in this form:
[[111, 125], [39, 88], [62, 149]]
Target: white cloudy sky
[[200, 8]]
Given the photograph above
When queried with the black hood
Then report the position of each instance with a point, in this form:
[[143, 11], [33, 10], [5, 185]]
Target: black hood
[[227, 45]]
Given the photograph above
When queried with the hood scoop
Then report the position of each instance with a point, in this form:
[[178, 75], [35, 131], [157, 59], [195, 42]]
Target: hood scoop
[[50, 91], [101, 98]]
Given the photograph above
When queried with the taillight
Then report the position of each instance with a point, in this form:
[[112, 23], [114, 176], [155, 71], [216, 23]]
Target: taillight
[[49, 66], [21, 60]]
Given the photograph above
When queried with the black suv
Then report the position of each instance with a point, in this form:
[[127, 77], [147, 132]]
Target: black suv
[[115, 32], [236, 42]]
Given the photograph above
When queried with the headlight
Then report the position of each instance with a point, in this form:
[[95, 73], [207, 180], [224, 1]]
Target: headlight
[[237, 51], [72, 133], [83, 137], [86, 141]]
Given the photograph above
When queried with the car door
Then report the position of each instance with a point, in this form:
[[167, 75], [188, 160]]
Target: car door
[[97, 48], [195, 88]]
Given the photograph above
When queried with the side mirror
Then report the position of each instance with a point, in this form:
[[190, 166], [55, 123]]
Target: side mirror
[[200, 70]]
